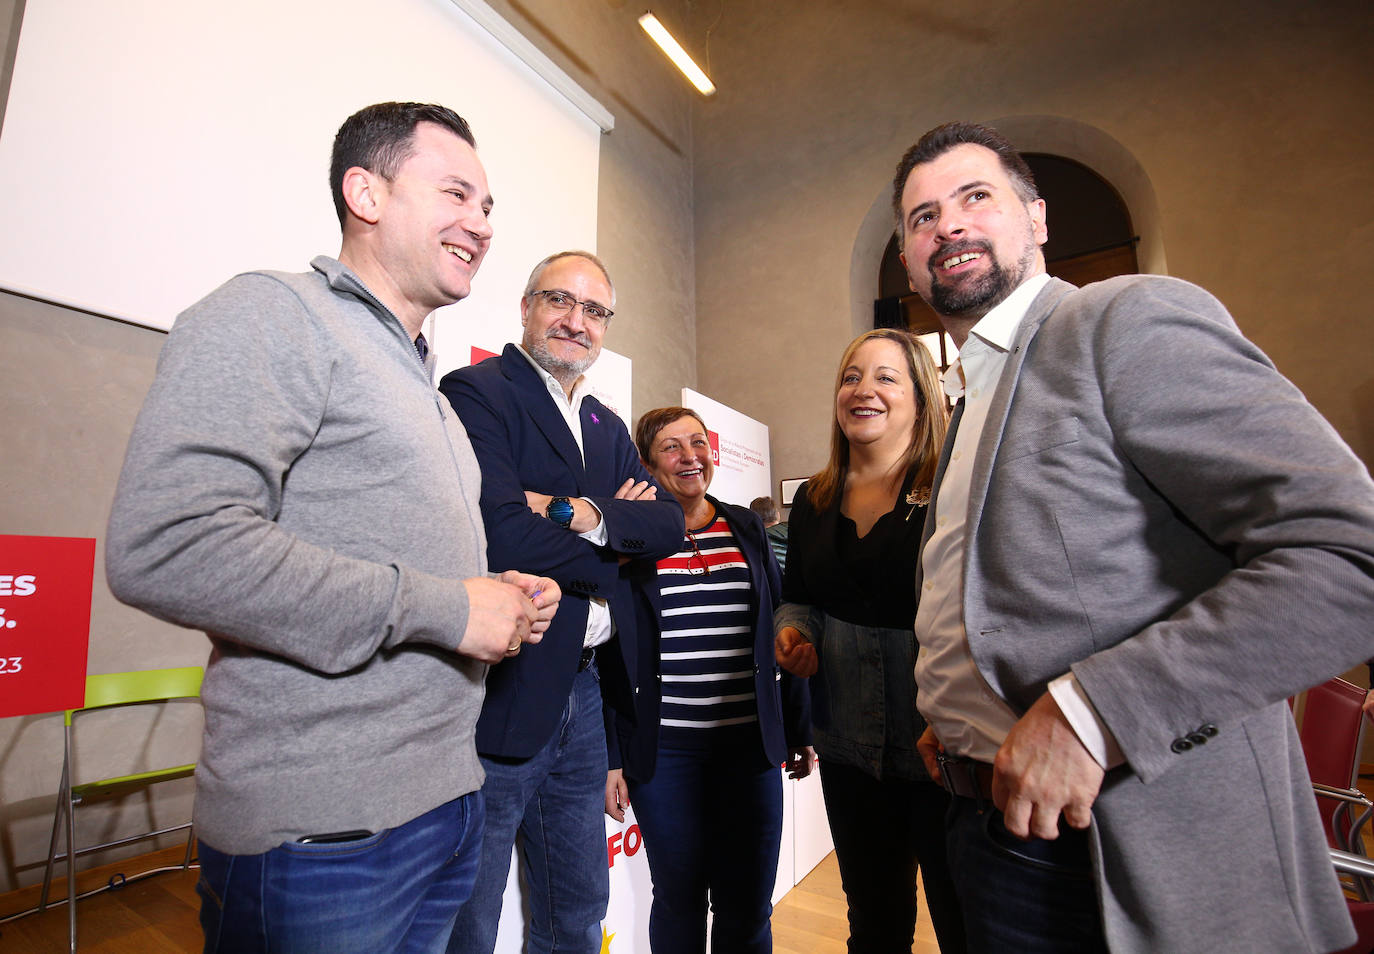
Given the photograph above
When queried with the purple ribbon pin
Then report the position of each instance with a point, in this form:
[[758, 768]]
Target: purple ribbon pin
[[595, 419]]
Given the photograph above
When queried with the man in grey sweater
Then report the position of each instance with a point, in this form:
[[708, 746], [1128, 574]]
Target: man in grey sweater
[[296, 487]]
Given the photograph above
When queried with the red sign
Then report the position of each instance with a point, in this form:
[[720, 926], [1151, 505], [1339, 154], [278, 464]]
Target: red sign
[[713, 439], [45, 622]]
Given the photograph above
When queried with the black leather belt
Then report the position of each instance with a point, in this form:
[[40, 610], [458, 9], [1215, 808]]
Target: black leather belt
[[967, 778], [588, 657]]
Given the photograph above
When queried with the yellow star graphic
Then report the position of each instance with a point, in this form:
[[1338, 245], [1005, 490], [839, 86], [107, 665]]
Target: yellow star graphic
[[606, 941]]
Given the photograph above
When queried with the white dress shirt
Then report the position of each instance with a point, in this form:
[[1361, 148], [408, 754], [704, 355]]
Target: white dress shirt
[[968, 717], [570, 406]]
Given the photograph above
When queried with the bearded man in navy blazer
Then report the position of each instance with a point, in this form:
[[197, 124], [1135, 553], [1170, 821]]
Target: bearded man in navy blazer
[[563, 490], [1142, 539]]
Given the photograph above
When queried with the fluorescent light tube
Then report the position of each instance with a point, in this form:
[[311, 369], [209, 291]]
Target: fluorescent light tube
[[674, 51]]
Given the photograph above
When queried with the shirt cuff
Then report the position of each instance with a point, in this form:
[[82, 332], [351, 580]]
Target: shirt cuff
[[597, 534], [1086, 723]]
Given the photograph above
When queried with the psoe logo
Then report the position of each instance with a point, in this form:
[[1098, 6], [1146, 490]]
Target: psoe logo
[[714, 440], [627, 842]]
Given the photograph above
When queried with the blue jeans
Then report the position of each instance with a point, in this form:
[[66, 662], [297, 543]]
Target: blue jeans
[[396, 890], [883, 831], [712, 821], [1036, 897], [555, 800]]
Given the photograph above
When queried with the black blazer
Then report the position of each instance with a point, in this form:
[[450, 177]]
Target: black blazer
[[523, 443], [783, 702]]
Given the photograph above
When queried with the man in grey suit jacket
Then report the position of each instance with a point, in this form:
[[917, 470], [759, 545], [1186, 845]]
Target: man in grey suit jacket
[[1143, 540]]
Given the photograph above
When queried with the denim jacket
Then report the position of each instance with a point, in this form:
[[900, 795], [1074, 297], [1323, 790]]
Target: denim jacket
[[863, 698]]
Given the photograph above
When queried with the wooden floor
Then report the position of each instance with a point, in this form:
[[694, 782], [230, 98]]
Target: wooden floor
[[159, 915], [811, 919], [156, 916]]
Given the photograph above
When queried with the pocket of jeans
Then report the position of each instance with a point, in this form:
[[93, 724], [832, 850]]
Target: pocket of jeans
[[335, 849], [211, 887], [209, 893], [1066, 856]]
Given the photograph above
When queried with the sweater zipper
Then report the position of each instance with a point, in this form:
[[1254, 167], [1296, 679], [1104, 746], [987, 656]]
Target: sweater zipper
[[358, 288]]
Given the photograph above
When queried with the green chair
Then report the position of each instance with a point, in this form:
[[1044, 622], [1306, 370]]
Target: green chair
[[104, 692]]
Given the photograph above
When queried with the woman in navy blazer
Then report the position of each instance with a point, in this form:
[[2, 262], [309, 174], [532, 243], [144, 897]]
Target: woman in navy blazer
[[714, 717]]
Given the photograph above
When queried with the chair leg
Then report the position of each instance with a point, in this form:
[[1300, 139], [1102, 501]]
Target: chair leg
[[1354, 837], [1340, 826], [190, 845], [58, 822], [1362, 888], [71, 859]]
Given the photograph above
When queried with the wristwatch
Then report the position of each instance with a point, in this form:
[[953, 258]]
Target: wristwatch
[[560, 511]]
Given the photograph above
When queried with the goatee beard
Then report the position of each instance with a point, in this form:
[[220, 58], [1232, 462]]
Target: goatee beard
[[977, 297], [974, 299]]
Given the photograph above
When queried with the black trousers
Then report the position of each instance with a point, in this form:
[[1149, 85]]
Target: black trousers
[[883, 831]]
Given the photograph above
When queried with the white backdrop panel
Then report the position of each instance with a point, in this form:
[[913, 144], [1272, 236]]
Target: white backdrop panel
[[164, 146], [740, 447]]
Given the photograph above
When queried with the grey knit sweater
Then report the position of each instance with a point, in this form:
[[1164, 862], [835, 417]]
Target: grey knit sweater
[[297, 488]]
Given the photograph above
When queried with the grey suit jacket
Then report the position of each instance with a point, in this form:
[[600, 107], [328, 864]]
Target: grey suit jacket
[[1156, 508]]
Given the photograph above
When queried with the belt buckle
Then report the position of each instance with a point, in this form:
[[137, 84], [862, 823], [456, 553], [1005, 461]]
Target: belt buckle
[[584, 663], [967, 770]]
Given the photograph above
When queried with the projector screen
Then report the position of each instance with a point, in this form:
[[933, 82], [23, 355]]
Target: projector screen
[[163, 146]]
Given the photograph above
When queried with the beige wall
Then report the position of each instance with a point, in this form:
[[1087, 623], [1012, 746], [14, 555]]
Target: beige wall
[[72, 384], [732, 227], [1250, 123], [644, 205]]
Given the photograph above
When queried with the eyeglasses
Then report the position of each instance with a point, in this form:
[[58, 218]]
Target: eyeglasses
[[562, 304], [696, 552]]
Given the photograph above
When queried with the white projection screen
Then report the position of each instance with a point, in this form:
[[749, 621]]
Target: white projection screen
[[157, 147]]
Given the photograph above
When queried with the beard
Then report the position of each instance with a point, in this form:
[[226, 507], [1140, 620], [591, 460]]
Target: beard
[[977, 296], [561, 369]]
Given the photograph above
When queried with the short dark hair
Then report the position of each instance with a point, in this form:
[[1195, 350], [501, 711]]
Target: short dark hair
[[941, 140], [656, 420], [765, 508], [379, 138]]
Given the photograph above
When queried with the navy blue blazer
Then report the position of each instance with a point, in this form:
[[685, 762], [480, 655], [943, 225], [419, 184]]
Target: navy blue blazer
[[523, 443], [783, 702]]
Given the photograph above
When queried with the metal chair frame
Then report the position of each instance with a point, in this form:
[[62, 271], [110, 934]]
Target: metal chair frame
[[1361, 869], [1362, 880], [106, 691], [1332, 735]]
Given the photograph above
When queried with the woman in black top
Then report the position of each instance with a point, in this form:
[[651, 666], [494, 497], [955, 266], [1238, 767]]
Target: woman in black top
[[849, 606]]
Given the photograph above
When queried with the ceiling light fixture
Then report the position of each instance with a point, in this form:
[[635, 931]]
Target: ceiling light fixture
[[674, 51]]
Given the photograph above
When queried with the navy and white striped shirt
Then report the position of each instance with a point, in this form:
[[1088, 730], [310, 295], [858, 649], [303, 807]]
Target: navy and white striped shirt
[[707, 639]]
